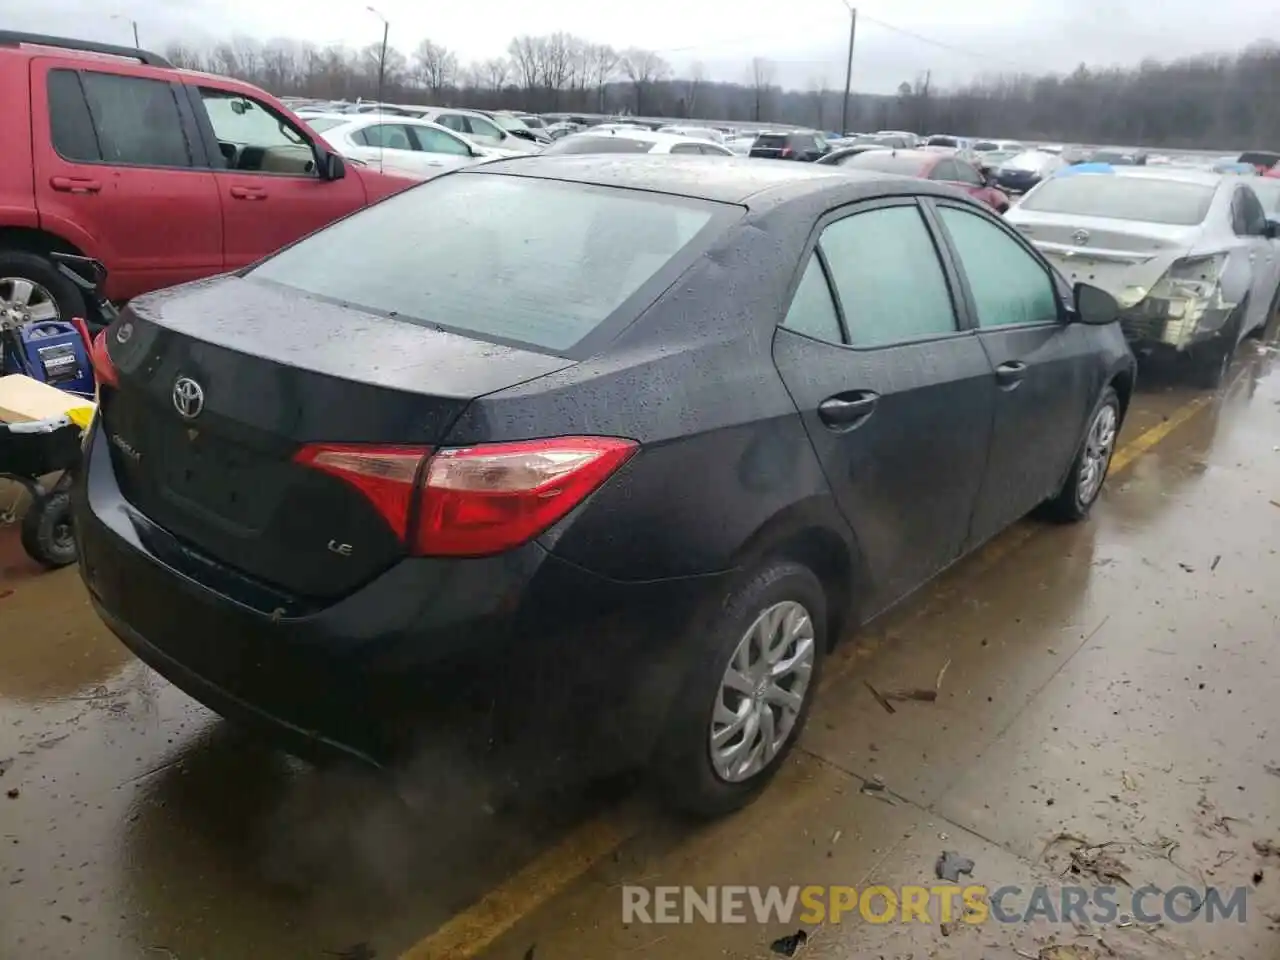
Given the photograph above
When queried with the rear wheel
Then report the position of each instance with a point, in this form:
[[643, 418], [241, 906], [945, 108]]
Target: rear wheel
[[32, 289], [747, 696], [47, 535], [1084, 482]]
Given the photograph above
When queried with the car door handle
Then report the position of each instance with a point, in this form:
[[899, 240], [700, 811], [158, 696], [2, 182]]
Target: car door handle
[[249, 193], [75, 184], [1010, 374], [847, 410]]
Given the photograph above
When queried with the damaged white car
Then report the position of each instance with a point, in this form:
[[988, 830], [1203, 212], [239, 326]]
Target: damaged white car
[[1191, 256]]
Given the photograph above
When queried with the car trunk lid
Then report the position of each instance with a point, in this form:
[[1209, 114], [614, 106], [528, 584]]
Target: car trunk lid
[[222, 384]]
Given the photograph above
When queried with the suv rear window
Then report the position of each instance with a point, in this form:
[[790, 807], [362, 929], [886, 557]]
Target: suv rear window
[[598, 144], [559, 259], [1174, 202], [771, 140]]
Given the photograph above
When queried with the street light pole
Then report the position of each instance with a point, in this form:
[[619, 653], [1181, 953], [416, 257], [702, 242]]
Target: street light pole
[[848, 70], [382, 59]]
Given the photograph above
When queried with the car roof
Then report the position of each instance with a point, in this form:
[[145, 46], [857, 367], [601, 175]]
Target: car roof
[[1206, 178], [736, 180]]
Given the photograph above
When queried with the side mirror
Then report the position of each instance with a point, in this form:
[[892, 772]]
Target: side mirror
[[1272, 229], [332, 167], [1094, 306]]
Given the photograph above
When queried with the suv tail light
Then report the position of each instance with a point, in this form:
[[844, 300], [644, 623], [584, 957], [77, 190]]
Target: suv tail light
[[104, 371], [474, 501], [785, 152]]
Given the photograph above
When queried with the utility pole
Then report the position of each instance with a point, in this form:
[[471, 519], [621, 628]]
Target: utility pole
[[382, 59], [132, 23], [848, 70]]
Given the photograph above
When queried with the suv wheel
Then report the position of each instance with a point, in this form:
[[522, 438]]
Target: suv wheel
[[32, 289], [748, 694]]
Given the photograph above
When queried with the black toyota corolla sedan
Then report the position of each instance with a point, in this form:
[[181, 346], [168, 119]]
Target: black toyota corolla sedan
[[622, 463]]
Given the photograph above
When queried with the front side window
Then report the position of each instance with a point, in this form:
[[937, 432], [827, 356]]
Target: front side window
[[253, 137], [1009, 285], [136, 120], [886, 271], [560, 259], [484, 129], [812, 310]]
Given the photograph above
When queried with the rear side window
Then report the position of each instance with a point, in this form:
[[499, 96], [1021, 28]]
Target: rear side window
[[72, 127], [560, 259], [812, 310], [136, 120], [886, 271], [1009, 285]]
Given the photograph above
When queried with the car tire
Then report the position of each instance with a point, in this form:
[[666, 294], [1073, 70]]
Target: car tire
[[780, 597], [40, 271], [1088, 471], [46, 531]]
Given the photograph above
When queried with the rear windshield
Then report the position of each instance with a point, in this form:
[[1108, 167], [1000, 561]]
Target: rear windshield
[[584, 143], [1259, 158], [986, 145], [321, 124], [771, 140], [886, 161], [1124, 198], [544, 273], [943, 142]]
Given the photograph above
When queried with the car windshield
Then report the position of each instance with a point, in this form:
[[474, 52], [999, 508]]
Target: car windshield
[[587, 143], [984, 145], [321, 124], [943, 142], [1029, 160], [888, 161], [1175, 202], [509, 123], [561, 259]]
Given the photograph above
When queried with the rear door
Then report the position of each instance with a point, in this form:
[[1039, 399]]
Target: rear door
[[1045, 377], [1249, 220], [269, 188], [441, 150], [895, 393], [120, 172], [392, 148]]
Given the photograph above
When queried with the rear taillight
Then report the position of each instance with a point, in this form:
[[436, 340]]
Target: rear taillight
[[104, 371], [785, 152], [385, 475], [474, 501]]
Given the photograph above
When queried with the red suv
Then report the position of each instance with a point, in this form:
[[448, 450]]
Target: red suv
[[165, 175]]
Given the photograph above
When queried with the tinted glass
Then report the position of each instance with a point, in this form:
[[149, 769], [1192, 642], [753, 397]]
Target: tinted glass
[[812, 310], [585, 143], [559, 260], [943, 142], [137, 120], [1175, 202], [887, 161], [773, 141], [1260, 158], [986, 145], [886, 271], [480, 127], [69, 119], [1009, 285], [1255, 218]]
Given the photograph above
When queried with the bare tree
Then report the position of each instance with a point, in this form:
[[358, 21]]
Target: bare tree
[[526, 61], [818, 91], [761, 80], [643, 68], [496, 72], [557, 64], [434, 67], [187, 58], [692, 86], [602, 64]]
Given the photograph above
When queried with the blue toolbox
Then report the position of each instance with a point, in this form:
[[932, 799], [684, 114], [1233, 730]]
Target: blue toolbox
[[55, 352]]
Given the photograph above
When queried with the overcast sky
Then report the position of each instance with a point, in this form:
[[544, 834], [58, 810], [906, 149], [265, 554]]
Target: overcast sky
[[806, 38]]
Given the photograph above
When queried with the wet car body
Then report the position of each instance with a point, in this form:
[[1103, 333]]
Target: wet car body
[[279, 596], [1201, 282], [1021, 172], [937, 165]]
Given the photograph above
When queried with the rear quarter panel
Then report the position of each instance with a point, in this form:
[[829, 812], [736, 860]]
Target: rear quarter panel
[[17, 168], [724, 453]]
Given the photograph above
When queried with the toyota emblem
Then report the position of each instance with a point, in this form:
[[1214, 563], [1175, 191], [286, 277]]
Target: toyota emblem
[[1080, 238], [188, 398]]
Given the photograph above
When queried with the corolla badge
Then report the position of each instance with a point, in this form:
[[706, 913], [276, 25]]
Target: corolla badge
[[1080, 238], [188, 398]]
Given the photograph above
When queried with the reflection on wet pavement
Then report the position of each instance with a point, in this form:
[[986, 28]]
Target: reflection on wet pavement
[[1111, 681]]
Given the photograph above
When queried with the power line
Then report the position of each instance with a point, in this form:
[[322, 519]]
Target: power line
[[945, 46]]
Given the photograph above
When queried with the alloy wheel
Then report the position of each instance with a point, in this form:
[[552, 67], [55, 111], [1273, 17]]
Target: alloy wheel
[[24, 301], [1099, 444], [762, 692]]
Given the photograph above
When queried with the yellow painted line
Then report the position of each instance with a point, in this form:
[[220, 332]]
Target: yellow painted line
[[467, 933], [470, 932]]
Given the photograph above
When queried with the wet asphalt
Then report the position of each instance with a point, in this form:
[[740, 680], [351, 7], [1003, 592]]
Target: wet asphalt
[[1116, 682]]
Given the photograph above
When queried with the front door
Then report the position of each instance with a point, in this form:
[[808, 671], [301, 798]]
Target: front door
[[1043, 383], [116, 173], [270, 189], [896, 397]]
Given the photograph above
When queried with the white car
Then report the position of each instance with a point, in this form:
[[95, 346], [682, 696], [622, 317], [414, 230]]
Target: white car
[[477, 128], [607, 140], [698, 133], [400, 145]]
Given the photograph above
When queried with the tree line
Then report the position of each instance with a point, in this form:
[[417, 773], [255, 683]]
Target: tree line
[[1218, 100]]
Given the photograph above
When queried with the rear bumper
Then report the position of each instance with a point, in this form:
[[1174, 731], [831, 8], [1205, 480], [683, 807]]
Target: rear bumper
[[521, 657]]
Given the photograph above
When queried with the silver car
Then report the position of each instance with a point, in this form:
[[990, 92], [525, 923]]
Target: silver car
[[1191, 256]]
